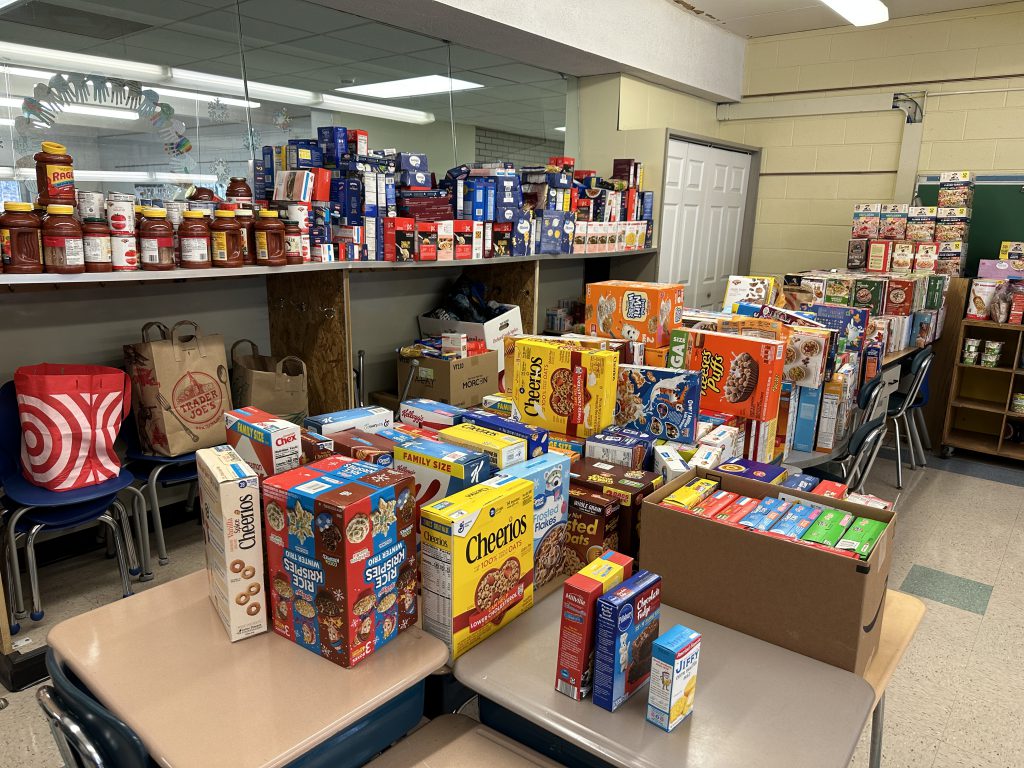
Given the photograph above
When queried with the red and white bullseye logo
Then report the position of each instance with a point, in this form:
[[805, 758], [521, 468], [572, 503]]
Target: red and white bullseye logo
[[68, 440]]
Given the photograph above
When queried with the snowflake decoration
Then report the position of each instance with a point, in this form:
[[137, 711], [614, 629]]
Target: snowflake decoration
[[221, 168], [217, 111], [282, 120], [24, 145], [254, 140]]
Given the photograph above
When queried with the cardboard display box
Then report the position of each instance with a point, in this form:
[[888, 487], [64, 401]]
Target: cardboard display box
[[510, 323], [462, 382], [813, 602]]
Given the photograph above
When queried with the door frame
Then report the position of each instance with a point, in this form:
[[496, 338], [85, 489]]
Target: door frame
[[750, 206]]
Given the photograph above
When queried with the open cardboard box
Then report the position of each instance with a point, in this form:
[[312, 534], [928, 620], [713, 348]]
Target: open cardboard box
[[462, 382], [810, 601]]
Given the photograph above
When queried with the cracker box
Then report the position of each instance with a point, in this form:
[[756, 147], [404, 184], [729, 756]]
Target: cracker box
[[766, 514], [365, 446], [314, 446], [477, 561], [796, 521], [830, 527], [644, 312], [441, 469], [673, 677], [629, 486], [593, 527], [669, 463], [661, 402], [623, 450], [861, 537], [574, 676], [892, 222], [230, 497], [269, 445], [549, 474], [502, 450], [341, 549], [750, 289], [430, 414], [627, 626], [754, 470], [536, 437], [925, 257], [368, 419], [866, 220], [562, 389], [921, 223]]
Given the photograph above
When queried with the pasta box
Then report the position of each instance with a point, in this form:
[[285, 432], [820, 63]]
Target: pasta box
[[593, 527], [266, 443], [501, 449], [629, 486], [754, 470], [536, 437], [369, 419], [441, 469], [902, 256], [430, 414], [644, 312], [661, 402]]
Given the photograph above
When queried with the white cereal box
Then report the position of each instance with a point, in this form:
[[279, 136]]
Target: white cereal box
[[267, 444]]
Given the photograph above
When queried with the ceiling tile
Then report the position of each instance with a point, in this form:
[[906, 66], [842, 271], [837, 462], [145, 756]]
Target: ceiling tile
[[119, 50], [169, 41], [264, 59], [518, 73], [462, 58], [302, 15], [387, 38], [410, 65], [330, 49], [516, 92]]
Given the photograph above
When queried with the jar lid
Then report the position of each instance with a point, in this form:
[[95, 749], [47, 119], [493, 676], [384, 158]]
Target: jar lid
[[268, 214], [138, 209], [238, 178], [154, 213], [224, 214], [60, 210], [18, 207], [243, 212], [194, 214], [54, 148]]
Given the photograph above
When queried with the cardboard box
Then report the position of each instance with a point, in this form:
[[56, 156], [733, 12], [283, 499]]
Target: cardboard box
[[593, 527], [673, 677], [697, 559], [644, 312], [617, 449], [365, 446], [629, 486], [658, 401], [423, 413], [502, 450], [536, 438], [669, 463], [269, 445], [368, 419], [230, 498], [463, 382], [509, 323]]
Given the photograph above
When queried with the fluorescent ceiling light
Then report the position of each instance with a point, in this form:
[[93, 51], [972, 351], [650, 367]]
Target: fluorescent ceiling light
[[6, 121], [219, 82], [356, 107], [280, 93], [86, 109], [860, 13], [412, 86], [33, 73], [206, 97], [560, 128], [100, 65]]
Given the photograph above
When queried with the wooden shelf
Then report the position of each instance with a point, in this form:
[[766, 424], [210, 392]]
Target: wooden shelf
[[979, 405], [973, 441], [1013, 450], [991, 324], [984, 368]]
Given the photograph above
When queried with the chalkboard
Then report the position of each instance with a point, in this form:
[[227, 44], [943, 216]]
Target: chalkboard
[[997, 215]]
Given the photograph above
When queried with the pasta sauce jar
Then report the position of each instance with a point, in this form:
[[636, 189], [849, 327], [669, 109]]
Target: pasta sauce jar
[[21, 239], [55, 176], [156, 240], [239, 191], [292, 242], [247, 226], [225, 240], [63, 251], [96, 242], [270, 240], [194, 240]]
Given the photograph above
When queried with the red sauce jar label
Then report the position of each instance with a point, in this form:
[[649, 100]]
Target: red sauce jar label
[[74, 251], [97, 249], [195, 249], [152, 247], [219, 243], [60, 181]]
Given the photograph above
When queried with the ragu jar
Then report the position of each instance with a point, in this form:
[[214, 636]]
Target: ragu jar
[[225, 240], [270, 240], [156, 236], [21, 239], [239, 191], [55, 176], [96, 241], [245, 221], [292, 242], [194, 240], [63, 251]]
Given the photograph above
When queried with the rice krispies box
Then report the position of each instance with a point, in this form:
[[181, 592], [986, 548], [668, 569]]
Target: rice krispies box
[[341, 556], [644, 312], [477, 561], [658, 401]]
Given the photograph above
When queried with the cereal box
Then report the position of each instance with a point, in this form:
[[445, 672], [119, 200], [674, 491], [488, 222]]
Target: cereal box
[[617, 449], [839, 289], [314, 446], [861, 537], [502, 404], [266, 443], [807, 356], [365, 446], [869, 293], [892, 223], [899, 296], [796, 521], [646, 439], [715, 503], [735, 511], [477, 561], [627, 626], [740, 375], [1011, 250], [593, 527], [629, 486], [669, 463], [656, 357], [549, 474], [879, 255], [658, 401], [691, 495], [564, 390], [857, 254], [441, 469], [673, 677], [229, 496], [575, 674], [754, 470], [430, 414], [830, 527], [707, 456], [750, 289], [536, 438], [921, 223], [866, 220], [502, 450], [644, 312], [369, 419]]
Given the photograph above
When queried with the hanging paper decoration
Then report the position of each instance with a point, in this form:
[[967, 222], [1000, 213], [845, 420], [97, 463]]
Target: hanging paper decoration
[[254, 140], [222, 169], [282, 120], [217, 111]]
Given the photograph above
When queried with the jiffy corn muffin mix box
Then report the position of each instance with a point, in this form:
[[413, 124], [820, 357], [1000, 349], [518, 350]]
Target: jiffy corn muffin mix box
[[644, 312], [563, 389], [477, 561], [673, 677]]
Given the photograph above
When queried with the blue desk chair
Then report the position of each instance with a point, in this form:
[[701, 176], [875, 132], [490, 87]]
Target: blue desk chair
[[30, 510]]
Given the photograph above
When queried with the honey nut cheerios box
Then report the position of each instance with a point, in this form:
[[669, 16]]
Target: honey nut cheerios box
[[635, 311], [477, 561]]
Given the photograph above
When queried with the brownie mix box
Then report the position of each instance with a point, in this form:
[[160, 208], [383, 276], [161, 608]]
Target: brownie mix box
[[658, 401], [592, 529], [629, 486], [644, 312], [365, 446]]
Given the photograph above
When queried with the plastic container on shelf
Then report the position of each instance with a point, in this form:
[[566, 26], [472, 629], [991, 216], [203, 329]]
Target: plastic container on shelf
[[55, 175], [156, 237], [96, 243], [63, 250], [225, 240], [247, 223], [21, 239], [239, 191], [270, 239], [194, 240], [292, 242]]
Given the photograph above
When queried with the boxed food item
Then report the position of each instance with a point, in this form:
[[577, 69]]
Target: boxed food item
[[230, 497], [462, 382], [736, 510], [713, 504], [892, 222], [830, 424], [862, 537], [623, 450], [869, 500], [691, 495], [956, 189], [430, 414], [879, 255], [674, 677], [729, 439], [593, 527], [952, 258], [866, 220], [707, 456], [796, 521], [441, 469], [269, 445], [644, 312], [536, 437], [754, 470], [830, 527], [477, 561], [857, 254], [839, 288], [629, 486], [761, 438], [750, 289], [492, 332], [953, 224], [869, 293], [365, 446], [807, 356], [766, 514], [575, 674], [669, 463], [627, 626], [368, 419], [657, 357], [925, 257], [314, 446], [502, 405], [921, 223], [549, 474], [924, 328], [899, 296], [902, 256], [564, 390], [1011, 250], [503, 450], [658, 401], [830, 489]]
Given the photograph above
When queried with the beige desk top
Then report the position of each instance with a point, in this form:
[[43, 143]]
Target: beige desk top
[[456, 741], [162, 662], [900, 620]]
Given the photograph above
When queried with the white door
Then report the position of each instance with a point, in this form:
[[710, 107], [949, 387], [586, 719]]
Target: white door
[[702, 219]]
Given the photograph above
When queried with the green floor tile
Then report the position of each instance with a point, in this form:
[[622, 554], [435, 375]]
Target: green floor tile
[[965, 594]]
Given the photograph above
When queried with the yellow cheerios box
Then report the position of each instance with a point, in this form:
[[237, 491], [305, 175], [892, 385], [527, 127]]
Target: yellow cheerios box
[[477, 561], [503, 450]]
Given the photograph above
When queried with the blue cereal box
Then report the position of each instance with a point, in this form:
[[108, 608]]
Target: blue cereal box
[[367, 419], [627, 626], [766, 514], [430, 414], [659, 401], [644, 437], [549, 474], [753, 470], [796, 521], [801, 482], [673, 677], [536, 438], [441, 469]]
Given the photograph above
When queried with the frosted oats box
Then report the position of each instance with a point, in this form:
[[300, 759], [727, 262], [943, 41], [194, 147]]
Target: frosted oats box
[[593, 527], [892, 223], [673, 677], [866, 220], [629, 486]]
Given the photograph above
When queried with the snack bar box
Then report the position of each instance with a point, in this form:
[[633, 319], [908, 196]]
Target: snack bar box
[[643, 312], [266, 443]]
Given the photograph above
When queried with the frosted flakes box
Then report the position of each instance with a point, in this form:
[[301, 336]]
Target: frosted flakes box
[[750, 289], [866, 220], [441, 469], [635, 311], [658, 401]]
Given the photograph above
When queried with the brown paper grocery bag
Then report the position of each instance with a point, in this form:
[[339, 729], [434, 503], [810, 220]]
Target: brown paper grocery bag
[[275, 386], [180, 388]]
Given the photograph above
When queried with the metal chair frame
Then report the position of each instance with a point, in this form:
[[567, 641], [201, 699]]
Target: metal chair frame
[[910, 426], [72, 742]]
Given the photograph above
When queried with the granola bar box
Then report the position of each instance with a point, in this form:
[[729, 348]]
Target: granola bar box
[[477, 561], [629, 486], [341, 557], [644, 312], [563, 389], [658, 401], [593, 527]]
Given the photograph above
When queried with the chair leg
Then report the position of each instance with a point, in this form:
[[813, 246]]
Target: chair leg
[[122, 562], [915, 439], [922, 428], [33, 573], [12, 559], [190, 499], [877, 721], [141, 531], [154, 511], [12, 621], [899, 455], [126, 535]]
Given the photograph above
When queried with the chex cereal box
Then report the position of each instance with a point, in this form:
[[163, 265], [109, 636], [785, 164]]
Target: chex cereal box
[[430, 414], [441, 469], [549, 474], [341, 557], [796, 521], [369, 419], [593, 527], [536, 437], [365, 446], [659, 401], [562, 389], [644, 312], [753, 470], [673, 677], [627, 626], [477, 561], [830, 527], [501, 449], [575, 673], [766, 514], [617, 449], [230, 497], [266, 443], [629, 486]]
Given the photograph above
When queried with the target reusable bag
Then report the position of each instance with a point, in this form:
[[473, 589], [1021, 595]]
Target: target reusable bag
[[70, 416]]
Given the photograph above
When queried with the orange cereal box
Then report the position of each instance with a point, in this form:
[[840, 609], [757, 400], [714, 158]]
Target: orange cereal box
[[644, 312]]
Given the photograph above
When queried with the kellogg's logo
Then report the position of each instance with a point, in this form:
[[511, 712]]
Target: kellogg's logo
[[712, 369], [198, 399]]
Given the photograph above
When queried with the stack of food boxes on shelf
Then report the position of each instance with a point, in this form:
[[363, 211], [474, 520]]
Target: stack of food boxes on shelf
[[614, 214]]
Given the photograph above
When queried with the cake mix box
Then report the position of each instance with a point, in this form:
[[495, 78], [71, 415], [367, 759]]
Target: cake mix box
[[892, 221], [365, 446], [430, 414], [341, 557], [477, 561], [368, 419], [644, 312], [658, 401], [750, 289], [562, 389], [536, 437], [266, 443], [629, 486], [549, 474], [866, 220], [627, 626], [673, 677], [593, 527], [441, 469], [501, 449]]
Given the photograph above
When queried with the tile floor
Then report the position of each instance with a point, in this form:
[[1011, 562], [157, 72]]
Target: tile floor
[[955, 702]]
